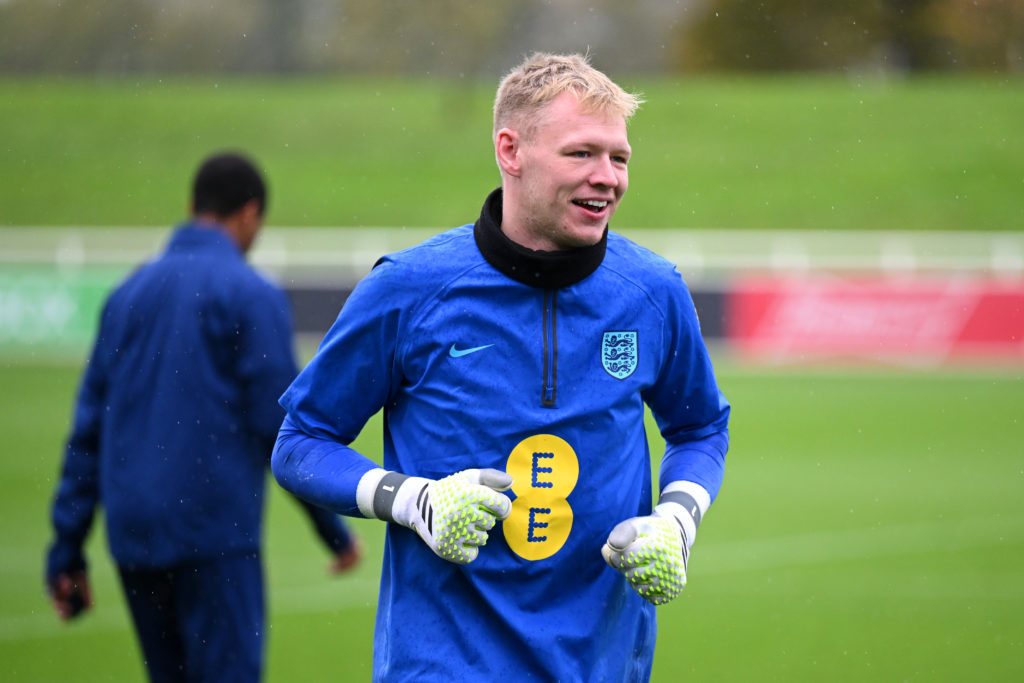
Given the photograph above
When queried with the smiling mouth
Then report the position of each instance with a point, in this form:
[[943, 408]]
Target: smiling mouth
[[596, 206]]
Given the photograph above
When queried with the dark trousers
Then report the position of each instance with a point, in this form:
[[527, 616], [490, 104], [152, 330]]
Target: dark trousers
[[201, 622]]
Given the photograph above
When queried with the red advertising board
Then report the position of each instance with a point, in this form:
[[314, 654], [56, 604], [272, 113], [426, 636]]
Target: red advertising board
[[878, 317]]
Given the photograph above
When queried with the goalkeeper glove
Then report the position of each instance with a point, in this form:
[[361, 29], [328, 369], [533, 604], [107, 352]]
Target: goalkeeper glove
[[452, 515], [652, 552]]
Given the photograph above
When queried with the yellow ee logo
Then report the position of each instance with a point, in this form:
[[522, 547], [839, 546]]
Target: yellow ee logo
[[545, 470]]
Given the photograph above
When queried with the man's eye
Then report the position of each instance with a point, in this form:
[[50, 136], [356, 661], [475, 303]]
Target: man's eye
[[581, 154], [620, 160]]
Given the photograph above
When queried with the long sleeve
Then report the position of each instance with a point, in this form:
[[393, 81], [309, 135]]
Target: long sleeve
[[267, 364], [691, 411], [347, 381], [701, 461], [320, 471], [77, 494]]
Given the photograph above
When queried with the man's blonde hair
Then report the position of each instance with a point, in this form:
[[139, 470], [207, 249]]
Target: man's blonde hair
[[542, 77]]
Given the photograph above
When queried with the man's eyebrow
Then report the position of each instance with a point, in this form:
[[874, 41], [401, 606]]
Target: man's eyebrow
[[590, 143]]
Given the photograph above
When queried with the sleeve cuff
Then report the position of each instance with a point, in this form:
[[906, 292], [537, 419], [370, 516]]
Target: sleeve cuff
[[64, 559]]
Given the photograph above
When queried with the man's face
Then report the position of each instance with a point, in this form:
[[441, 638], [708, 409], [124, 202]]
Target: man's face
[[573, 176], [249, 222]]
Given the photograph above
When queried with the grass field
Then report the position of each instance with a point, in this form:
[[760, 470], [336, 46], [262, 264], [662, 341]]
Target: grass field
[[871, 527], [796, 152]]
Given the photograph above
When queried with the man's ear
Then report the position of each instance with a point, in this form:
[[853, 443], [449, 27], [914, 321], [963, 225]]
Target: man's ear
[[252, 210], [245, 223], [507, 147]]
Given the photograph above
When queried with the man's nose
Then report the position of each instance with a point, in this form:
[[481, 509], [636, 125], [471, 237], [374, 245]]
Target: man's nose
[[604, 172]]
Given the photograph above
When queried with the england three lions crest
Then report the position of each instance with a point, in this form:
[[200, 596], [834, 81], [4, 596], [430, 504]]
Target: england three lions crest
[[619, 353]]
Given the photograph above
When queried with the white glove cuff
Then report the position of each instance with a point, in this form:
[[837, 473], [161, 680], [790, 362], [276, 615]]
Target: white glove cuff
[[366, 489], [389, 496], [687, 501]]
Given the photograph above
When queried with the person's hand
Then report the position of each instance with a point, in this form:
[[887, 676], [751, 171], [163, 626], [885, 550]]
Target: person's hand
[[453, 515], [347, 558], [652, 553], [70, 594]]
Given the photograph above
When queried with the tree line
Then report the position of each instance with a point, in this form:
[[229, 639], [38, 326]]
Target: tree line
[[470, 38]]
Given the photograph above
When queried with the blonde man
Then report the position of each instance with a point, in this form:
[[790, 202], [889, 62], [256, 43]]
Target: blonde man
[[513, 358]]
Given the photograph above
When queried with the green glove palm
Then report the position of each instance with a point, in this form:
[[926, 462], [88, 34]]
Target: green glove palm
[[453, 515], [651, 552]]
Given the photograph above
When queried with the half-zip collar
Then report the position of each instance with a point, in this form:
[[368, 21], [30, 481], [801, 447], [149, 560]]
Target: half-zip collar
[[545, 269]]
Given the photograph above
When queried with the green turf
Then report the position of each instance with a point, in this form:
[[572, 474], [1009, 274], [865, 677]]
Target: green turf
[[827, 152], [871, 527]]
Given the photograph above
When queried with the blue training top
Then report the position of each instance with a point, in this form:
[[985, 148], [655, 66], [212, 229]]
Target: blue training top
[[177, 412], [474, 367]]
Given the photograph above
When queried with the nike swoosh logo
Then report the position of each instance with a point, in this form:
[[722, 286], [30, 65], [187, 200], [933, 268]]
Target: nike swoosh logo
[[459, 353]]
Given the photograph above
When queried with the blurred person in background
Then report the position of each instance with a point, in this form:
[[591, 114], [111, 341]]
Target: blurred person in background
[[174, 424], [517, 354]]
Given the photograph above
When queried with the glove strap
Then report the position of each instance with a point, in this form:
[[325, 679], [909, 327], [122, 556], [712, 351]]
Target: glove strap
[[384, 495], [688, 502]]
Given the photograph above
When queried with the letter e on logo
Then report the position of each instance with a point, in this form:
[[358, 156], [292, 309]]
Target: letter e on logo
[[545, 470]]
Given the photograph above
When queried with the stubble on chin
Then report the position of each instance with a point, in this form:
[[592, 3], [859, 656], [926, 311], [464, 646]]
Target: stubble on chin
[[567, 239]]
